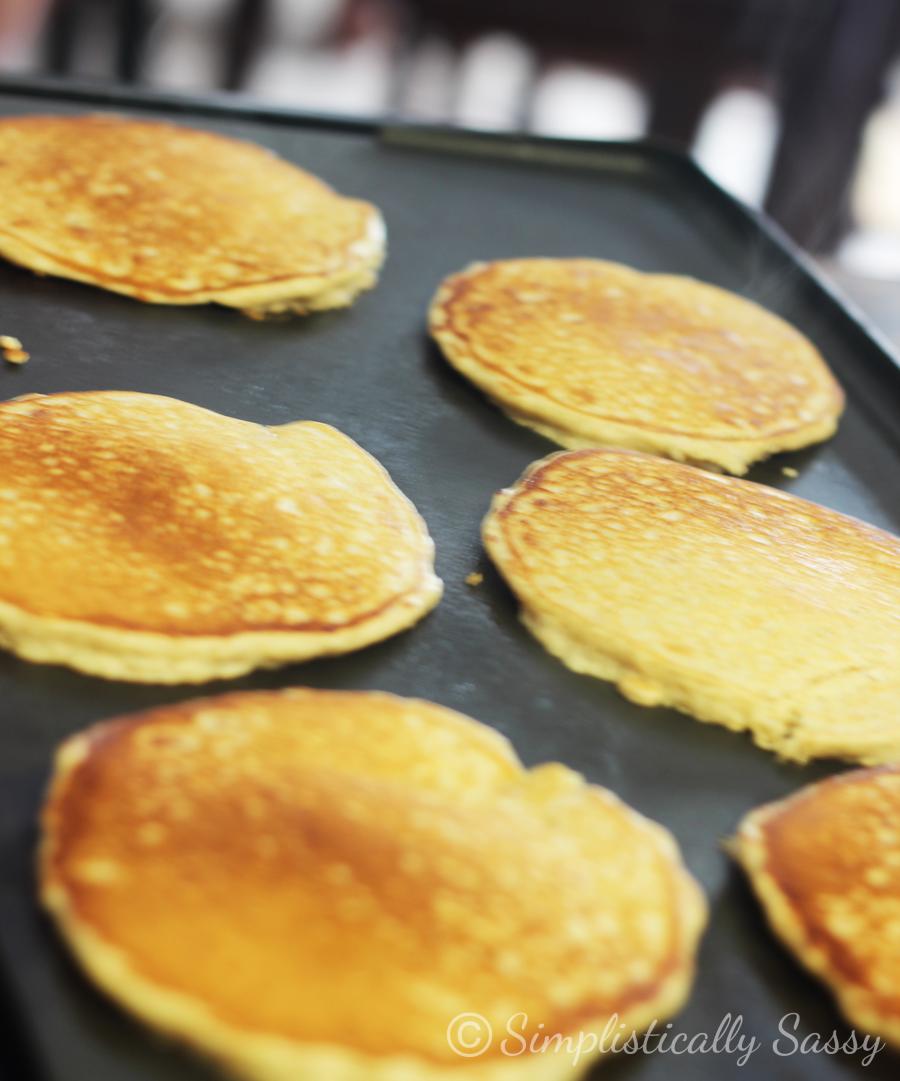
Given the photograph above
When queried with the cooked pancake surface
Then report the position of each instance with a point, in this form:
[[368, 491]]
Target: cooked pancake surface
[[172, 215], [324, 879], [145, 538], [592, 353], [825, 864], [728, 600]]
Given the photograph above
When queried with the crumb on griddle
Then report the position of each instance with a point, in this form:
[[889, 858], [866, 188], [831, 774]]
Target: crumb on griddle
[[12, 350], [789, 471], [474, 579]]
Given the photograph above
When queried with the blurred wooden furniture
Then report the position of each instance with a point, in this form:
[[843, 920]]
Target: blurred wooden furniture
[[832, 84], [243, 23], [130, 22], [824, 61]]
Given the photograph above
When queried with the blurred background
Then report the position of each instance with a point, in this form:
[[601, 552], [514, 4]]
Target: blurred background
[[793, 105]]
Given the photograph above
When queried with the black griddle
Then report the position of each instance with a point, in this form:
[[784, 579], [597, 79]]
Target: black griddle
[[449, 198]]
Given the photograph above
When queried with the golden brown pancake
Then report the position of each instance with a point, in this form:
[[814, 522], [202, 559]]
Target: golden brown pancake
[[318, 883], [171, 215], [728, 600], [143, 538], [825, 864], [590, 353]]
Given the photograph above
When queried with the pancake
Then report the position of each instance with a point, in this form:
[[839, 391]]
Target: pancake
[[146, 539], [590, 353], [317, 884], [171, 215], [727, 600], [825, 864]]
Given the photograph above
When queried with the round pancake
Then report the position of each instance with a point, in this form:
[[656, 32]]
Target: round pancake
[[725, 599], [317, 883], [590, 353], [171, 215], [147, 539], [825, 864]]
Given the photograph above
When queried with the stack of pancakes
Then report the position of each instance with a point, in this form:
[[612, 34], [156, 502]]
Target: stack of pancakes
[[591, 353], [825, 865], [177, 545], [171, 215], [353, 872], [734, 602]]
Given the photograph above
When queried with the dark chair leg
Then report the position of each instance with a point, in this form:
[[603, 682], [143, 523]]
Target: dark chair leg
[[830, 93], [134, 19], [245, 26], [59, 37], [678, 101], [682, 78]]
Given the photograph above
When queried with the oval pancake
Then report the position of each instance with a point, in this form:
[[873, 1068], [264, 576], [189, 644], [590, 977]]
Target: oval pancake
[[592, 353], [727, 600], [147, 539], [317, 883], [172, 215], [825, 865]]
